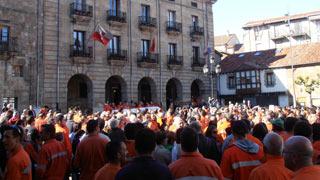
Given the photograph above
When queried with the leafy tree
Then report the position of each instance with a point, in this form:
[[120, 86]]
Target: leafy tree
[[309, 85]]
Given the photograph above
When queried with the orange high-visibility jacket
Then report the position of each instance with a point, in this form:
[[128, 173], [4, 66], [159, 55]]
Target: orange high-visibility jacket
[[18, 166], [90, 156], [237, 164], [307, 173], [39, 122], [107, 172], [273, 169], [66, 139], [53, 160], [193, 166]]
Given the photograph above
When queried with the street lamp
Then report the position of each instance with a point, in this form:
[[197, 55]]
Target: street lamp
[[213, 72]]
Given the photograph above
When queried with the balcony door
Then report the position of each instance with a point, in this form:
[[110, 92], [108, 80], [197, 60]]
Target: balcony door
[[114, 45], [145, 12], [171, 18], [145, 45], [115, 7], [195, 52], [172, 49], [195, 21], [78, 43], [79, 5]]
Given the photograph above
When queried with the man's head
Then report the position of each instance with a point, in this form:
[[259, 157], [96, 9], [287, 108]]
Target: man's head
[[145, 141], [297, 152], [189, 140], [195, 125], [303, 128], [116, 152], [239, 129], [273, 144], [289, 123], [11, 137], [92, 126], [48, 132], [60, 119]]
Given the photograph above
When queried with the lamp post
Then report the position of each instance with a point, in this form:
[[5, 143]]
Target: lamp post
[[213, 72]]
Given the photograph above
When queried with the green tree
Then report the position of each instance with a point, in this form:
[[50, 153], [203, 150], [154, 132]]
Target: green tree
[[309, 85]]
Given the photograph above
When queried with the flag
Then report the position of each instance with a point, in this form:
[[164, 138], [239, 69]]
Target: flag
[[102, 36], [152, 48], [208, 51]]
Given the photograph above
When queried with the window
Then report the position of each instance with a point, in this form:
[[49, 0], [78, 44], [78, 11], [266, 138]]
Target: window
[[78, 43], [195, 52], [195, 21], [79, 5], [172, 48], [171, 17], [270, 79], [145, 10], [257, 33], [10, 100], [231, 81], [145, 45], [4, 34], [318, 26], [115, 5], [114, 44], [194, 4], [17, 71], [247, 79]]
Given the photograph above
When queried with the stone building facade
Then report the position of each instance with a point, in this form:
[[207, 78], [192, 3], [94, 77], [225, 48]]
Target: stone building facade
[[63, 67]]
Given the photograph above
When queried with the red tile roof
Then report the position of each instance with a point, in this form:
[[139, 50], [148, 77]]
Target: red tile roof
[[280, 19], [273, 58]]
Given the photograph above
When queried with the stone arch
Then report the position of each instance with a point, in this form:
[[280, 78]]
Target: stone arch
[[147, 90], [115, 90], [197, 90], [173, 91], [80, 92]]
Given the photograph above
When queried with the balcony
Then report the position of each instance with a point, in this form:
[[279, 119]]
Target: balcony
[[116, 17], [81, 55], [175, 62], [248, 91], [173, 27], [300, 33], [8, 48], [117, 57], [80, 13], [279, 36], [147, 60], [197, 63], [196, 32], [147, 23]]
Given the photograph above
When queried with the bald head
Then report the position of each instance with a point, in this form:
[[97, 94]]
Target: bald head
[[273, 144], [298, 152]]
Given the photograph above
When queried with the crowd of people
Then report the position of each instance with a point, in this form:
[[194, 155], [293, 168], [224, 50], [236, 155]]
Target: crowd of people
[[231, 142]]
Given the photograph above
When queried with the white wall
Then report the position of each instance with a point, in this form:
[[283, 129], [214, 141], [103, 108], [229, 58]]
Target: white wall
[[281, 84], [224, 90]]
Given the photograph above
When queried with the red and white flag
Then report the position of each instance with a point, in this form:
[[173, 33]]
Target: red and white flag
[[102, 35], [152, 48]]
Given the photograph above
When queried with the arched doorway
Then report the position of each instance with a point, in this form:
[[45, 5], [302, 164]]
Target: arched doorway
[[80, 92], [115, 89], [197, 89], [173, 92], [147, 90]]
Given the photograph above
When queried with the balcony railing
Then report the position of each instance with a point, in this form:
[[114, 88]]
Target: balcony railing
[[115, 54], [147, 21], [196, 30], [8, 46], [198, 62], [81, 9], [173, 26], [117, 16], [80, 51], [147, 57], [175, 60]]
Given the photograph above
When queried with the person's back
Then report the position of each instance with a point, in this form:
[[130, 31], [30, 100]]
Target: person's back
[[242, 156], [53, 161], [274, 168], [90, 153], [192, 164], [144, 167]]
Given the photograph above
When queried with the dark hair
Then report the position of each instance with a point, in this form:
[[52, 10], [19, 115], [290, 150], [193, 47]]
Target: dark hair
[[189, 139], [160, 137], [17, 131], [130, 131], [178, 134], [101, 124], [50, 129], [289, 123], [112, 150], [92, 125], [316, 131], [59, 118], [303, 128], [35, 135], [145, 141], [260, 130], [209, 130], [239, 128]]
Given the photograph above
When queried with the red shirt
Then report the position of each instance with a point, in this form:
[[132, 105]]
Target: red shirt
[[107, 172]]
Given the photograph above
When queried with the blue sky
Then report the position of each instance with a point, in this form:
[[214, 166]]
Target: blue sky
[[231, 15]]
